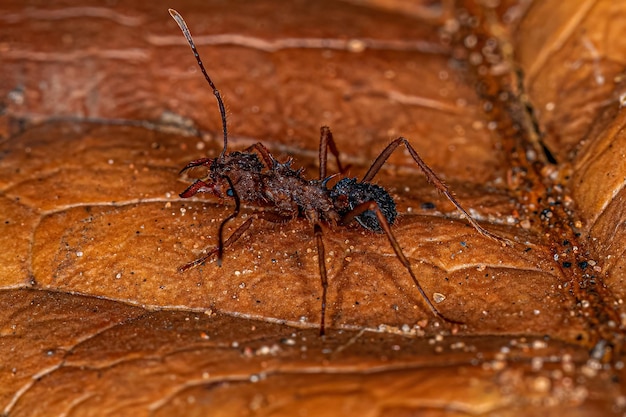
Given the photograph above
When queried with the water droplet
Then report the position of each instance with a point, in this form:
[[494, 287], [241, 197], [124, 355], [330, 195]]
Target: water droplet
[[438, 297]]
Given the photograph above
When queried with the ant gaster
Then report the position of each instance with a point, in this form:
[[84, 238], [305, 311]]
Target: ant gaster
[[255, 176]]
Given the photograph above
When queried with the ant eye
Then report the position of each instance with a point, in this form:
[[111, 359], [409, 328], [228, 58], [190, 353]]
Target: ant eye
[[230, 192]]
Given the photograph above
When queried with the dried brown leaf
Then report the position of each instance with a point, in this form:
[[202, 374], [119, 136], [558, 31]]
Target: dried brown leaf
[[103, 105]]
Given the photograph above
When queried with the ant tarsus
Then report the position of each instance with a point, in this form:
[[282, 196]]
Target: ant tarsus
[[254, 176]]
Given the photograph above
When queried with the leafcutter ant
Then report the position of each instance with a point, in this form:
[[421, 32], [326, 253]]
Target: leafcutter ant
[[256, 177]]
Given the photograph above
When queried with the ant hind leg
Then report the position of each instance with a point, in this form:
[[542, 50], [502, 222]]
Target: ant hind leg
[[433, 179], [382, 220]]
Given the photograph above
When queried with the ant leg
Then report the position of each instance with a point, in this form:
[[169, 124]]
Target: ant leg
[[321, 256], [198, 162], [235, 213], [432, 178], [231, 239], [264, 152], [373, 206], [327, 142]]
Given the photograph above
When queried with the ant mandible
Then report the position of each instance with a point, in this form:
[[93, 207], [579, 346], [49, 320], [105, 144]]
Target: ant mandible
[[255, 176]]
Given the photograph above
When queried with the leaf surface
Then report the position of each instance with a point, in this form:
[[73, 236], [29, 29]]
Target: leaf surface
[[518, 106]]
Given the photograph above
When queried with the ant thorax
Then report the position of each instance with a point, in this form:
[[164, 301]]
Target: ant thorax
[[277, 185]]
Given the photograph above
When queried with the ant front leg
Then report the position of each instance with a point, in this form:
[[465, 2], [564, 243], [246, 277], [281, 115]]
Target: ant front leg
[[382, 220], [235, 213], [201, 186], [432, 178], [327, 142]]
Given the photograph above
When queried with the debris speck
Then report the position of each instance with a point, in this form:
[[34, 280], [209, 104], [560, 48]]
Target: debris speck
[[356, 45], [288, 342], [541, 384], [539, 344], [591, 368]]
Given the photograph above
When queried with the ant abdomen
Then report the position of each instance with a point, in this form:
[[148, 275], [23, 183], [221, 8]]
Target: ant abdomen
[[349, 193]]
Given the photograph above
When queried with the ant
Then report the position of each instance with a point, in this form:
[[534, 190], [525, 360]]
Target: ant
[[255, 176]]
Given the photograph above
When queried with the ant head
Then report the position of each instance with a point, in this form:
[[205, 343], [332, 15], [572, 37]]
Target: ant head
[[217, 185], [183, 27]]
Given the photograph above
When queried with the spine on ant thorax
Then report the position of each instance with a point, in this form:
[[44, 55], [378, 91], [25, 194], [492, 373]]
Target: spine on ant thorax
[[292, 195]]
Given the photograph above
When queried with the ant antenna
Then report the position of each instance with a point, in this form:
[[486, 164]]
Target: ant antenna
[[183, 27]]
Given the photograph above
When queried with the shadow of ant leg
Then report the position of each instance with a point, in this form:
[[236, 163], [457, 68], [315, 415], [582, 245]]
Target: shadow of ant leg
[[273, 217], [321, 256], [327, 142], [433, 179], [231, 239], [267, 216], [384, 224]]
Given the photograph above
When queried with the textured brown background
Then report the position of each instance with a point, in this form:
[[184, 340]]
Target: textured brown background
[[101, 105]]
